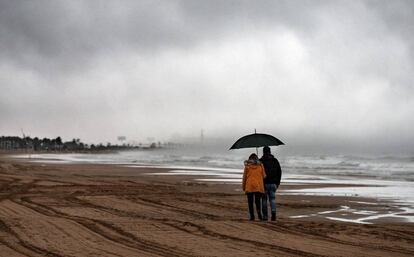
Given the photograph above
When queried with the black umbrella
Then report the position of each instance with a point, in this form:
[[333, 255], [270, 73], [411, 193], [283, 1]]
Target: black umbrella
[[256, 140]]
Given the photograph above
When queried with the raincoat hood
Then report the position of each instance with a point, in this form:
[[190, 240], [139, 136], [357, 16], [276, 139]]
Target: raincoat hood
[[251, 162]]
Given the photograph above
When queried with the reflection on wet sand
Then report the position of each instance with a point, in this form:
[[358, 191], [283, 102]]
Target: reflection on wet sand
[[397, 194]]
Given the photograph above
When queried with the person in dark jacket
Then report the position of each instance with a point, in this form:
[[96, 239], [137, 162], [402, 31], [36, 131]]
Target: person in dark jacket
[[271, 182]]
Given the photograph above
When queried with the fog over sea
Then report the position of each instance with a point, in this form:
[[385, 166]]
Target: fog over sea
[[380, 177], [321, 167]]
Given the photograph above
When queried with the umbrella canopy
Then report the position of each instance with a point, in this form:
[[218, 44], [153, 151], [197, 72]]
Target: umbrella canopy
[[256, 140]]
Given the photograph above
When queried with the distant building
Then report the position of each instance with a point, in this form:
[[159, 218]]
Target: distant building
[[11, 143], [188, 140]]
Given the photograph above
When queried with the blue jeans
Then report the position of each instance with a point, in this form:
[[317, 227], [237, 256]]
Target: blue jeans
[[270, 194]]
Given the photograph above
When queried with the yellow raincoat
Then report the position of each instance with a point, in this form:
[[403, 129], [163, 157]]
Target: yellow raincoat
[[253, 176]]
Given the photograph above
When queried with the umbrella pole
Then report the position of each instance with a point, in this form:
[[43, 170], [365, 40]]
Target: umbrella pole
[[256, 147]]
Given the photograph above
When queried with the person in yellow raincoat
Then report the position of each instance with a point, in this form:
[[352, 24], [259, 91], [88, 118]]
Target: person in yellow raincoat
[[253, 186]]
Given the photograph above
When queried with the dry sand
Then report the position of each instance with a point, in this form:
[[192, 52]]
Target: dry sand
[[106, 210]]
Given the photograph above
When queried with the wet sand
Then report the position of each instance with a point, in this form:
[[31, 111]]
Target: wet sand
[[108, 210]]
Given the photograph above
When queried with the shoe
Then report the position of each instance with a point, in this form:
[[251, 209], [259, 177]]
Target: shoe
[[265, 218], [251, 218], [273, 218], [260, 217]]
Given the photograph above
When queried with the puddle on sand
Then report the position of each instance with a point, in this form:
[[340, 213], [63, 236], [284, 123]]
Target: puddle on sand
[[398, 196], [360, 216]]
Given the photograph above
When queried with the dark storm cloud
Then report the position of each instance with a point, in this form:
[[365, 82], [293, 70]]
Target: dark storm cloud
[[340, 69], [68, 34], [398, 16]]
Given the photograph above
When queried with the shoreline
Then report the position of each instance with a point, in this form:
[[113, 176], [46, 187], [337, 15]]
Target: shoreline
[[115, 210]]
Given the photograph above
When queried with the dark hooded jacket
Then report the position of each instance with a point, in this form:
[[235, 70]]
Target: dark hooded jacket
[[272, 169]]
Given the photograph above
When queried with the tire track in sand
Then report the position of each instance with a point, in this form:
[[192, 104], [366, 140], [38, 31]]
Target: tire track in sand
[[93, 224], [101, 228], [180, 225], [299, 231], [209, 233], [12, 240]]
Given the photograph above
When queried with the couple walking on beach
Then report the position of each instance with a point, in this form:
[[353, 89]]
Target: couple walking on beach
[[261, 178]]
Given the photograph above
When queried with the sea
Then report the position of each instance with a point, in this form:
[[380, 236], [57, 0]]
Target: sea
[[382, 177]]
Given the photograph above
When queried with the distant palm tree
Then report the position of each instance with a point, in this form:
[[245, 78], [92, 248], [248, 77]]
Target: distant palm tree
[[59, 143], [36, 143]]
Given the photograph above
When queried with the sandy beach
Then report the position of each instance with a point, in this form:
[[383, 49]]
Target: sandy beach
[[109, 210]]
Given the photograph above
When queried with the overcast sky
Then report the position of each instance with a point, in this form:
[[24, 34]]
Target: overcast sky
[[328, 73]]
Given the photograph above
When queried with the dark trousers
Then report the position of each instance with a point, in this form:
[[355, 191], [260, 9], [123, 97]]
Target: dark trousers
[[257, 197]]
